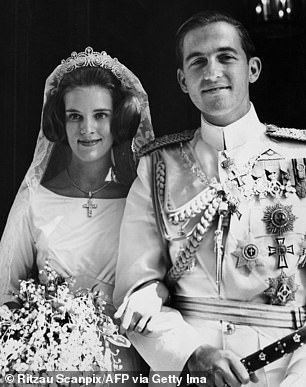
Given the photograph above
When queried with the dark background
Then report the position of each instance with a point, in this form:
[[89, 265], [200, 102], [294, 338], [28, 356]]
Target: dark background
[[36, 34]]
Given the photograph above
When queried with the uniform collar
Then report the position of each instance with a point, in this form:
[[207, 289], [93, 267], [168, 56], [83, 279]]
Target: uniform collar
[[233, 135]]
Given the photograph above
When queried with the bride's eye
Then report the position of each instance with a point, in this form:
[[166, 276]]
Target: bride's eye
[[73, 117], [101, 115]]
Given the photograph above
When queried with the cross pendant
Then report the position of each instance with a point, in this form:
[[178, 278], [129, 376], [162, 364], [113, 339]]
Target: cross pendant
[[90, 205]]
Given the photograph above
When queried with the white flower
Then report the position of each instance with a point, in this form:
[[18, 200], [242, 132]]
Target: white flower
[[57, 330]]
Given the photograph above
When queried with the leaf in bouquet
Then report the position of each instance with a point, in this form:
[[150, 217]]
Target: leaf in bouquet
[[43, 277], [119, 340]]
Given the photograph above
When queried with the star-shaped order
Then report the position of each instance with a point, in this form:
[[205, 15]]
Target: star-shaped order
[[247, 253], [281, 289], [279, 219]]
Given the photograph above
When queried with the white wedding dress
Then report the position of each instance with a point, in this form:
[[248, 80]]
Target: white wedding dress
[[45, 225]]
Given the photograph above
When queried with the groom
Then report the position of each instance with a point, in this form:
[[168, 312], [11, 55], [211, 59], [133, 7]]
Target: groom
[[217, 214]]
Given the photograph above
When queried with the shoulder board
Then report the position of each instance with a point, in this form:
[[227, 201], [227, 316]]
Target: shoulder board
[[286, 133], [164, 141]]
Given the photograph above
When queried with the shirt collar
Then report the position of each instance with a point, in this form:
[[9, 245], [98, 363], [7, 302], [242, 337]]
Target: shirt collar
[[233, 135]]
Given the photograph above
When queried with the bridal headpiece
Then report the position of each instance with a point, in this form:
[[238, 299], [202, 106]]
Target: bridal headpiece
[[89, 58]]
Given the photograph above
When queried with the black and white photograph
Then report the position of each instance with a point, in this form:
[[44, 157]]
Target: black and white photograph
[[153, 201]]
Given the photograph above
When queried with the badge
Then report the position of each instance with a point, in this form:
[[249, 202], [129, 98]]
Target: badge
[[281, 250], [300, 177], [289, 189], [270, 155], [275, 188], [236, 176], [301, 189], [247, 253], [281, 289], [261, 187], [279, 219]]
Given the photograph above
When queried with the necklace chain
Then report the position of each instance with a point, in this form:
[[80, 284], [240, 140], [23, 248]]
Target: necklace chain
[[89, 193]]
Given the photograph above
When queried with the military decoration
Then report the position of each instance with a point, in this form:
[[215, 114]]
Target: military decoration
[[261, 187], [279, 219], [287, 178], [300, 176], [247, 253], [281, 250], [238, 177], [301, 189], [275, 188], [268, 174], [281, 289]]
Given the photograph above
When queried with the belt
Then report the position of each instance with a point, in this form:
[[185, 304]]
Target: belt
[[240, 312]]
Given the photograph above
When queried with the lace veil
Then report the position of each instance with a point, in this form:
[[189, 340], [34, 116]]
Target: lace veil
[[47, 153]]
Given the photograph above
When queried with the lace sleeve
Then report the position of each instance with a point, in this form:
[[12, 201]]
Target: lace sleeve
[[17, 248]]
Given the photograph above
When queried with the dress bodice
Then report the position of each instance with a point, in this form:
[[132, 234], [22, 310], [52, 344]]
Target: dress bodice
[[77, 245]]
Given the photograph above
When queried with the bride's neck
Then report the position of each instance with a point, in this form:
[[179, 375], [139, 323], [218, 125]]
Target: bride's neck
[[89, 175]]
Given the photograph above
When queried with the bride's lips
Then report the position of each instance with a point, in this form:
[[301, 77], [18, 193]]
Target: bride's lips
[[89, 142]]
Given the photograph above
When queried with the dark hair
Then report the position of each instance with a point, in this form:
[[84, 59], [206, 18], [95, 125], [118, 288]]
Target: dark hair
[[205, 18], [126, 107]]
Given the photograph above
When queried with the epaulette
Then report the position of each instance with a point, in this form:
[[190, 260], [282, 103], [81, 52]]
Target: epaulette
[[166, 140], [285, 133]]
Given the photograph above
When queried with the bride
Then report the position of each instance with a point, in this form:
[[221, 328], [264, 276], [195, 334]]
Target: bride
[[70, 204]]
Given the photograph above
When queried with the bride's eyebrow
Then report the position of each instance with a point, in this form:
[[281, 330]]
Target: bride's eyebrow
[[71, 110], [95, 110], [103, 110]]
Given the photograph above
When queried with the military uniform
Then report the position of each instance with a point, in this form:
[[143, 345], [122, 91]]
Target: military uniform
[[230, 208]]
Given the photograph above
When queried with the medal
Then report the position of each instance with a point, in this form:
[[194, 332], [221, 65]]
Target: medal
[[275, 188], [247, 253], [300, 177], [279, 219], [236, 176], [261, 187], [301, 189], [281, 289], [281, 250]]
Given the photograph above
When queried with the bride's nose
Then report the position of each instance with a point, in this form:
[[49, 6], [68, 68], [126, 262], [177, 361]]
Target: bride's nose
[[87, 126]]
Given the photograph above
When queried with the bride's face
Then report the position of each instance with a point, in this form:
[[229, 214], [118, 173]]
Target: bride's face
[[88, 112]]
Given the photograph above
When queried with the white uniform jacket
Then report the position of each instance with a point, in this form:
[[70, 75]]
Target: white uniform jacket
[[261, 245]]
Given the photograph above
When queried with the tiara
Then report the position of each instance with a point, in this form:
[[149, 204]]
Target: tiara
[[90, 58]]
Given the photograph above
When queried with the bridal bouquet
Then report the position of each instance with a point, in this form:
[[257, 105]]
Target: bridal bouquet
[[56, 329]]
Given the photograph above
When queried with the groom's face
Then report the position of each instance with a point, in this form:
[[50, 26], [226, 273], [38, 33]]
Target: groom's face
[[216, 73]]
